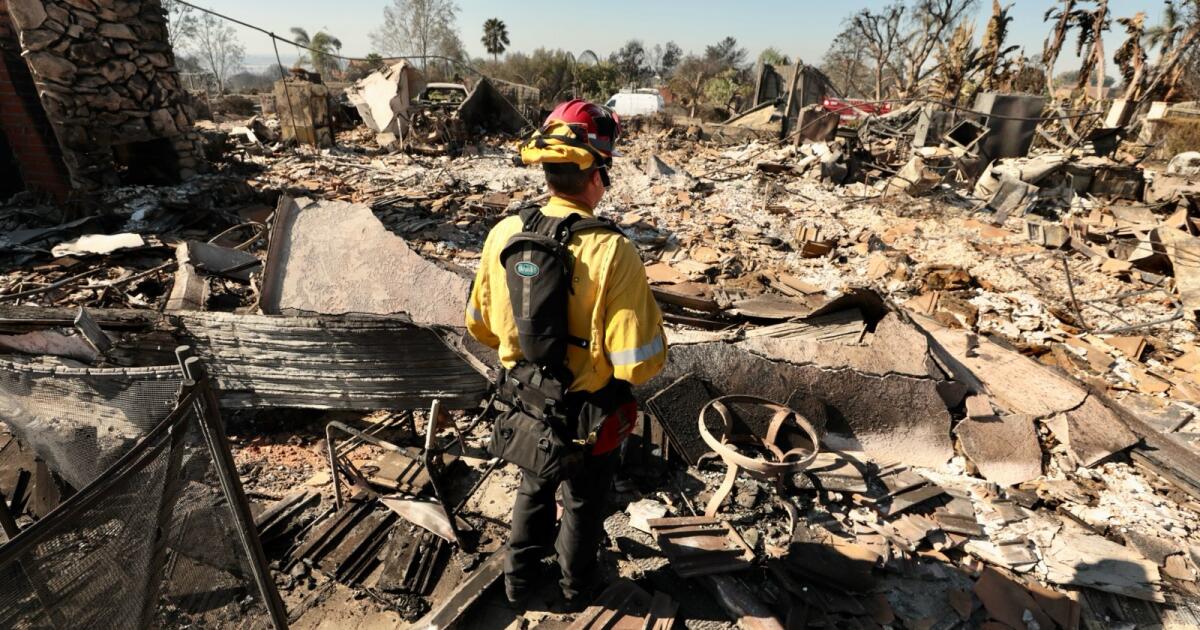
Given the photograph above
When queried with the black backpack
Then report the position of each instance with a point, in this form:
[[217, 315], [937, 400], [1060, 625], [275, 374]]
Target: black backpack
[[538, 428], [539, 270]]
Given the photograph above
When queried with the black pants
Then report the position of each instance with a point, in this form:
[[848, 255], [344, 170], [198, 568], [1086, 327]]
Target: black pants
[[578, 536]]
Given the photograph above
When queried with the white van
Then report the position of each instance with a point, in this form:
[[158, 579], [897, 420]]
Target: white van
[[639, 103]]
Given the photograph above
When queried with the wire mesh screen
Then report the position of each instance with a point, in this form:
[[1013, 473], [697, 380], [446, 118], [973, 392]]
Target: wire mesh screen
[[152, 542], [81, 420]]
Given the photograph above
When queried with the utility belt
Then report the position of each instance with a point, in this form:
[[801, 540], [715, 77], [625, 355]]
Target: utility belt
[[549, 431]]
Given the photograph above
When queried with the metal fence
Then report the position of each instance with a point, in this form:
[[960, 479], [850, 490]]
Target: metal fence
[[81, 420], [161, 539]]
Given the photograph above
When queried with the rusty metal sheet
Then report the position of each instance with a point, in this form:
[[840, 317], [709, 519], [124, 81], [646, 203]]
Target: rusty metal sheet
[[427, 514], [698, 545]]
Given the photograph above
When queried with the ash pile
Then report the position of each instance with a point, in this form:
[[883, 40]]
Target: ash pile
[[934, 367]]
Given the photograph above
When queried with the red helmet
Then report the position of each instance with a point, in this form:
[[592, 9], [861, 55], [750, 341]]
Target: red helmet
[[602, 124]]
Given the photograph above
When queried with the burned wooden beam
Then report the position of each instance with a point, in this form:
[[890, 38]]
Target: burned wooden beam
[[24, 318], [468, 592], [699, 545]]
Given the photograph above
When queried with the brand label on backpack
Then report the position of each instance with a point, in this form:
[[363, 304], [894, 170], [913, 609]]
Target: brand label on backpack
[[527, 269]]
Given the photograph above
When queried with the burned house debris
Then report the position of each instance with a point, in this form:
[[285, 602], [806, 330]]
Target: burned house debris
[[407, 113], [304, 111], [931, 365]]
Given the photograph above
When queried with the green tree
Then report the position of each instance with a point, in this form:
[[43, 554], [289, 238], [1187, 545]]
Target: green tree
[[726, 54], [321, 52], [669, 59], [723, 89], [596, 81], [630, 61], [495, 37], [773, 57]]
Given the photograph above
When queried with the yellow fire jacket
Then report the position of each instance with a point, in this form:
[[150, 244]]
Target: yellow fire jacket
[[611, 306]]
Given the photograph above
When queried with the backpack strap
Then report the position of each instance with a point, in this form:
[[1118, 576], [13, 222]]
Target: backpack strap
[[594, 223], [562, 229], [531, 218]]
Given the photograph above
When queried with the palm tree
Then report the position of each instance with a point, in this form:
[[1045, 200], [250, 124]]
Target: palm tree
[[1131, 56], [322, 49], [1063, 18], [1091, 25], [1162, 36], [495, 37], [301, 40], [991, 50]]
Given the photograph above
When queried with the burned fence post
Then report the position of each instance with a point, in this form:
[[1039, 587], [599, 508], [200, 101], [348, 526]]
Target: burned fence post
[[214, 434]]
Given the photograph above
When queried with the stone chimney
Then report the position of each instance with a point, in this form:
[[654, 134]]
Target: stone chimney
[[29, 155], [106, 79]]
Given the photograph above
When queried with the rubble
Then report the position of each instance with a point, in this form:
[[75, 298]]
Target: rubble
[[882, 392], [382, 99], [1005, 449], [978, 328], [406, 113]]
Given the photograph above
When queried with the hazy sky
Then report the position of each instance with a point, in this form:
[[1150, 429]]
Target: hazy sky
[[797, 28]]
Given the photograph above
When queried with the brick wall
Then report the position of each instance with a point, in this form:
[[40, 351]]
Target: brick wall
[[23, 121]]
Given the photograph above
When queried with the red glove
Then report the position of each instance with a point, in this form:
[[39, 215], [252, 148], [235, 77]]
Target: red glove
[[615, 428]]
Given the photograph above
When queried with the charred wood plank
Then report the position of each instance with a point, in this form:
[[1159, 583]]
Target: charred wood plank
[[25, 318], [1162, 453], [468, 592]]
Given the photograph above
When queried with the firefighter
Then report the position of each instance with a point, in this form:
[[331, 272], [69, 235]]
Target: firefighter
[[617, 342]]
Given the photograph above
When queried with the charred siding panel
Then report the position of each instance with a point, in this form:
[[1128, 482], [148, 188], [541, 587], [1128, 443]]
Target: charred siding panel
[[352, 362]]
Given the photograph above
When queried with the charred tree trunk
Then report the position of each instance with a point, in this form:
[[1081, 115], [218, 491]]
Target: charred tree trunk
[[1054, 43]]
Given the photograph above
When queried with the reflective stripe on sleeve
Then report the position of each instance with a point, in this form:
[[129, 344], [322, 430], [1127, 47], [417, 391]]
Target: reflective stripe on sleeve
[[474, 313], [636, 355]]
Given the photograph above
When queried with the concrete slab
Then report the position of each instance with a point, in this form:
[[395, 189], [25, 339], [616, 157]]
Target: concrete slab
[[1005, 449], [334, 257], [1094, 432], [1015, 382], [894, 348]]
